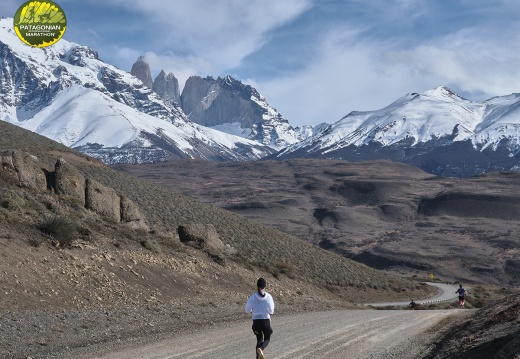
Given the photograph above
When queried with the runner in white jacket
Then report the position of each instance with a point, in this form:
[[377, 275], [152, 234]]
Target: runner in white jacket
[[261, 305]]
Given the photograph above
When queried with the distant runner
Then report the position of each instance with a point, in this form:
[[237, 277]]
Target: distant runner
[[462, 296], [412, 304], [261, 305]]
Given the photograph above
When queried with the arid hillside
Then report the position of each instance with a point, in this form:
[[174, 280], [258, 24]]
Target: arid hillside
[[387, 215], [82, 243]]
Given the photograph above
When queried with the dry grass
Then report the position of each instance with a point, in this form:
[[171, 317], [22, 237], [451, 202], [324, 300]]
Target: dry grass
[[257, 246]]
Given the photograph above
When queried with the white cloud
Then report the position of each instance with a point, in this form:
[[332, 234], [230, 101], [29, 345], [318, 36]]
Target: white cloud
[[356, 75], [347, 76], [471, 60], [181, 67], [223, 31]]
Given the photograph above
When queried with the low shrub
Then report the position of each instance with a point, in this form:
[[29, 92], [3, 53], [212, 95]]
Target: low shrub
[[85, 233], [59, 228]]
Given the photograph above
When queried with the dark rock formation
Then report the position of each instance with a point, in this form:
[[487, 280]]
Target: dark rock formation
[[6, 164], [167, 87], [78, 54]]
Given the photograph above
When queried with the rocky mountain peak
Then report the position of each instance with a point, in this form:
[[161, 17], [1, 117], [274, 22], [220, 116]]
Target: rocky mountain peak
[[167, 87], [239, 88], [66, 93], [231, 106], [78, 54], [442, 92], [141, 70]]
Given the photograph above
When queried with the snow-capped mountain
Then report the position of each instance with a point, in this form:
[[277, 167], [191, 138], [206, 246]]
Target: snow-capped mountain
[[65, 92], [437, 130], [229, 105]]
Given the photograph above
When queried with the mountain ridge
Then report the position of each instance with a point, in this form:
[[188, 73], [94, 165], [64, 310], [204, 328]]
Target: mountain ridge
[[420, 129], [33, 78]]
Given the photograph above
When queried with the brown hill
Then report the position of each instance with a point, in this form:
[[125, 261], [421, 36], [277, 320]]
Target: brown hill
[[493, 332], [77, 265], [388, 215]]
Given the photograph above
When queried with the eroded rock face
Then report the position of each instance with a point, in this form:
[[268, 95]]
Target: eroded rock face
[[28, 172], [214, 102], [6, 160], [68, 180], [102, 200], [131, 215], [6, 166], [203, 236], [28, 169]]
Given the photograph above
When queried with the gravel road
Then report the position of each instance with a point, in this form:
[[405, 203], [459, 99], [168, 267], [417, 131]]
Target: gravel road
[[333, 334]]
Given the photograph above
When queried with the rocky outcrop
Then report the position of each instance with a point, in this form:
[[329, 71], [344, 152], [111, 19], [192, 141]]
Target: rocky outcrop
[[203, 236], [68, 181], [77, 56], [6, 166], [167, 87], [6, 159], [102, 200], [211, 102], [197, 96], [141, 70], [24, 168], [28, 172], [131, 215]]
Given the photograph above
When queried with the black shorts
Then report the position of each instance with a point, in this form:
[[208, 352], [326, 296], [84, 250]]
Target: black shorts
[[461, 297], [262, 327]]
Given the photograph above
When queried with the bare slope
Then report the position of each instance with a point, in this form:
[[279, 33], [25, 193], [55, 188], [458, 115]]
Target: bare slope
[[71, 276], [255, 245], [387, 215], [493, 332]]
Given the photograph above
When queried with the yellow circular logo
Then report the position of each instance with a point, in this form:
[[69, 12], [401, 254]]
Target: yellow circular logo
[[40, 23]]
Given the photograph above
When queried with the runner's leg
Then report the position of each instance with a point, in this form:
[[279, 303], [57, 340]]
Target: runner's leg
[[257, 330], [267, 333]]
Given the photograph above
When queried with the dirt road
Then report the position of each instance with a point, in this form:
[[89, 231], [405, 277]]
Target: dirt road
[[334, 334]]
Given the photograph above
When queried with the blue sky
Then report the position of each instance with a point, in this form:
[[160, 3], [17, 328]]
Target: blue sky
[[314, 60]]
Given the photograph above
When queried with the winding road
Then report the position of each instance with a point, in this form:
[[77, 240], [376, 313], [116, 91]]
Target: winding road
[[333, 334], [446, 292]]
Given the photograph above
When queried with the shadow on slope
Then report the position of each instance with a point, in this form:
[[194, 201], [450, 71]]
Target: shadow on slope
[[384, 214], [459, 204]]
